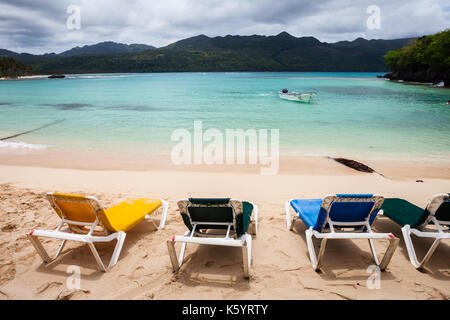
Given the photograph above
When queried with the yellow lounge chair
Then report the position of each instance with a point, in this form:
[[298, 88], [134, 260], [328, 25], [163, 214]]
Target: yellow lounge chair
[[88, 222]]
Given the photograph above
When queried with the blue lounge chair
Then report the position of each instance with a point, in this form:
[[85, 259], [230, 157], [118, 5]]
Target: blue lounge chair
[[431, 222], [330, 217]]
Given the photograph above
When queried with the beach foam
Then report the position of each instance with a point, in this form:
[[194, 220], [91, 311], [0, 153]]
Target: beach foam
[[21, 145], [98, 76], [318, 155]]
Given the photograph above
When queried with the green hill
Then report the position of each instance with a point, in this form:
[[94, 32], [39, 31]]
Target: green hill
[[107, 47], [282, 52]]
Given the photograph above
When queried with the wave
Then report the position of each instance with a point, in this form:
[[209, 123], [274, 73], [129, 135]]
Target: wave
[[21, 145], [98, 76], [317, 155]]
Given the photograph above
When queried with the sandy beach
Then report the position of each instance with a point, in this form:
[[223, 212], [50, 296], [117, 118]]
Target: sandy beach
[[281, 267], [253, 115]]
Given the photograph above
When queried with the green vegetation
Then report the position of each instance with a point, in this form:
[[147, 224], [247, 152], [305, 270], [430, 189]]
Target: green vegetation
[[233, 53], [12, 68], [107, 47], [282, 52], [427, 59]]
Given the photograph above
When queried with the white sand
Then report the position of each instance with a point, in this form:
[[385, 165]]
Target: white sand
[[281, 267]]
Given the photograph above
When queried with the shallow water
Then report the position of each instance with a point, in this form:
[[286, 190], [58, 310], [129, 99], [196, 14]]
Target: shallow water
[[353, 114]]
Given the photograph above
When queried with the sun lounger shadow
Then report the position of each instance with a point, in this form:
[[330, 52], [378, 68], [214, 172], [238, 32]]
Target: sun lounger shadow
[[219, 222], [437, 267], [81, 256], [83, 219], [213, 266], [340, 217], [344, 259]]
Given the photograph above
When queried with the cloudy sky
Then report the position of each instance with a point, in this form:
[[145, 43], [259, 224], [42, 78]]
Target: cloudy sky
[[39, 26]]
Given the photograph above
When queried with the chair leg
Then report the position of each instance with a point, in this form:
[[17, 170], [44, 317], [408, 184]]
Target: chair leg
[[293, 220], [430, 252], [374, 253], [406, 230], [316, 262], [97, 257], [245, 261], [247, 255], [288, 216], [182, 251], [61, 247], [252, 228], [173, 255], [323, 245], [162, 223], [183, 248], [254, 222], [153, 223], [393, 243], [177, 262], [118, 249], [250, 246], [39, 248]]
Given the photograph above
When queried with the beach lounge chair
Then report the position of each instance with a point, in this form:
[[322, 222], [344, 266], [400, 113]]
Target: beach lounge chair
[[234, 217], [332, 216], [88, 222], [419, 222]]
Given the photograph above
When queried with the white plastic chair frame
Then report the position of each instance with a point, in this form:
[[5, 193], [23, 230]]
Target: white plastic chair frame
[[335, 231], [422, 231], [229, 239], [89, 236]]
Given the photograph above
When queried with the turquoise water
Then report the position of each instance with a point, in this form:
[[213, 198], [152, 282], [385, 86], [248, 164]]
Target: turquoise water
[[354, 113]]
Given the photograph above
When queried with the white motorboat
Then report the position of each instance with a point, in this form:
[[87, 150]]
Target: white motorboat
[[297, 96]]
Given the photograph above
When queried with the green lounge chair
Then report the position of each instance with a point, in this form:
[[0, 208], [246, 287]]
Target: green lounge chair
[[418, 221], [236, 218]]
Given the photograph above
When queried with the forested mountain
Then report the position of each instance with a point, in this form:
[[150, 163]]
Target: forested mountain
[[282, 52], [107, 47]]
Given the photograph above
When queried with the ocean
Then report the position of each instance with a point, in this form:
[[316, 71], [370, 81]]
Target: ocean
[[354, 114]]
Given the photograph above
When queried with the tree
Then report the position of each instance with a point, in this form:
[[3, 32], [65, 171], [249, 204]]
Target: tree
[[427, 59]]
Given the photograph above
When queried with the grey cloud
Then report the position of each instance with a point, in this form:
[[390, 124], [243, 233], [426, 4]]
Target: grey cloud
[[39, 26]]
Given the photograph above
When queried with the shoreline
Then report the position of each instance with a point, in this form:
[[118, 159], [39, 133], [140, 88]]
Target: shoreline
[[32, 77], [429, 84], [44, 77], [287, 164]]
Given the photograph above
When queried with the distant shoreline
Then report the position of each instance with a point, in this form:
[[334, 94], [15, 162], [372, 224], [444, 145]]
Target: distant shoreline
[[417, 83], [33, 77], [383, 75], [45, 76]]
